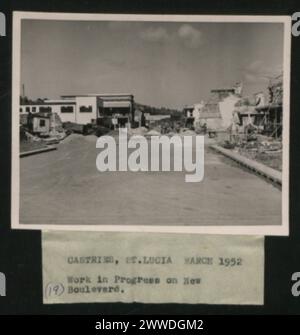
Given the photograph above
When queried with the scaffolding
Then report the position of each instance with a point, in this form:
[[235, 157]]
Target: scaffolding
[[272, 120]]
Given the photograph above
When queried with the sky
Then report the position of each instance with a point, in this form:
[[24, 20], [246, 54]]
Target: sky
[[163, 64]]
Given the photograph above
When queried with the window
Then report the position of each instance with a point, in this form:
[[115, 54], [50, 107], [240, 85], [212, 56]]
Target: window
[[42, 123], [45, 109], [21, 110], [27, 109], [33, 109], [85, 109], [66, 109]]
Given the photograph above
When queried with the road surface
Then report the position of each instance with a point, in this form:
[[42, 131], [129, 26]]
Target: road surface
[[64, 187]]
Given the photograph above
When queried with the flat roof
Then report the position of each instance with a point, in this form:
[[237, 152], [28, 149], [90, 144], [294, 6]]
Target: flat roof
[[222, 90], [266, 107], [104, 95], [50, 102], [111, 104], [40, 115], [59, 101], [188, 107]]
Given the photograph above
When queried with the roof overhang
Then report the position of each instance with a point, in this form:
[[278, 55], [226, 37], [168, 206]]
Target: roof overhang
[[116, 104]]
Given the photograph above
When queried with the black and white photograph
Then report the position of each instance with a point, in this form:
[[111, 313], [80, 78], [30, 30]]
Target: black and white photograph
[[151, 123]]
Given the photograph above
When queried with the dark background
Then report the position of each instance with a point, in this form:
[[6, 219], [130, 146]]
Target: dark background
[[20, 251]]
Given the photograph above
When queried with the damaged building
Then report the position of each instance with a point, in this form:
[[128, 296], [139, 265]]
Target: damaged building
[[226, 107], [272, 111], [216, 112]]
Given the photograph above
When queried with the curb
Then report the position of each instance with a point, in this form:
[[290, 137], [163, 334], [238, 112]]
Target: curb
[[37, 151], [261, 169]]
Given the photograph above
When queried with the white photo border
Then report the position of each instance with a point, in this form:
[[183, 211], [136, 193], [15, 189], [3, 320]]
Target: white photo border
[[281, 230]]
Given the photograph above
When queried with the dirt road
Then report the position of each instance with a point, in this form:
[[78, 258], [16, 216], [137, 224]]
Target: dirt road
[[64, 187]]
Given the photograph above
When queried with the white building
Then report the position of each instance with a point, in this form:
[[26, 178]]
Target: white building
[[103, 109], [216, 113], [192, 114]]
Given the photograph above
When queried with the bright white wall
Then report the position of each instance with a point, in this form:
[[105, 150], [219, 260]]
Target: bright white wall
[[38, 128], [197, 110], [84, 118], [226, 109], [65, 117]]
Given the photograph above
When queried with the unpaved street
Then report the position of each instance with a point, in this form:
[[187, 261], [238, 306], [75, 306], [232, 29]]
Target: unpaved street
[[64, 187]]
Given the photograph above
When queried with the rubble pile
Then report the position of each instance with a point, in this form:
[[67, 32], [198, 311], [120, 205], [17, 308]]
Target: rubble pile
[[268, 152]]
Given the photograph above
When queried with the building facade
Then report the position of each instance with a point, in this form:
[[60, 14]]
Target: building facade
[[39, 124], [192, 115], [111, 110], [216, 113]]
